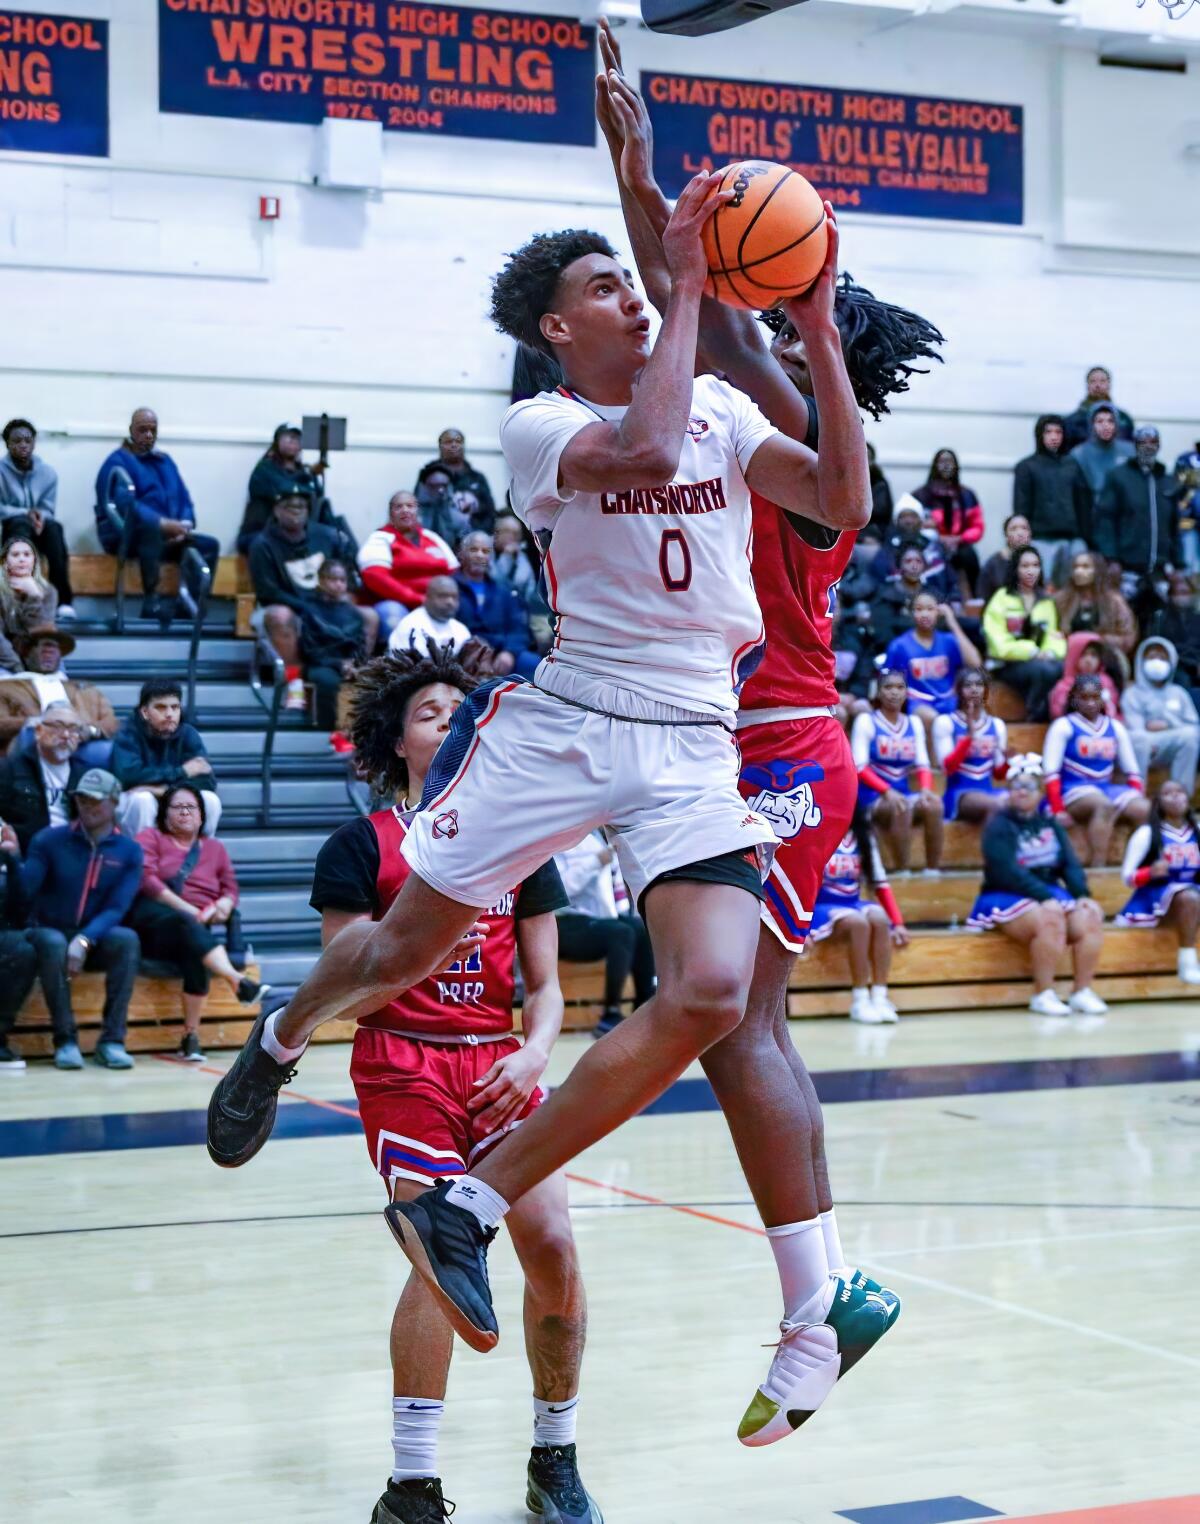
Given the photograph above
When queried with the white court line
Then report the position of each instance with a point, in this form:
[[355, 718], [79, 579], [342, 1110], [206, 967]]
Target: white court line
[[1044, 1317], [1019, 1243]]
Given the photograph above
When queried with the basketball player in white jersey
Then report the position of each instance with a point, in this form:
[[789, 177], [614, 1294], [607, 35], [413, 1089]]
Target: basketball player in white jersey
[[637, 481]]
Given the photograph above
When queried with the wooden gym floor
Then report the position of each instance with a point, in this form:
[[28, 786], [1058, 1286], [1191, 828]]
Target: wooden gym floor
[[185, 1345]]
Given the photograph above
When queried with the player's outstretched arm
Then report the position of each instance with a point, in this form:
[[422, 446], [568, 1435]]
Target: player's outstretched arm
[[832, 488]]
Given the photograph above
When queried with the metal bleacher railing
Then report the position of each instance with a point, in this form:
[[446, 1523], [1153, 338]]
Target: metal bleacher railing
[[264, 657]]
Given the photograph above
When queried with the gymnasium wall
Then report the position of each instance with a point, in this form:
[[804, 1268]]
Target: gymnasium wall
[[148, 279]]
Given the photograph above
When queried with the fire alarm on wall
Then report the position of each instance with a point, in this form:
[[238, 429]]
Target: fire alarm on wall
[[268, 208]]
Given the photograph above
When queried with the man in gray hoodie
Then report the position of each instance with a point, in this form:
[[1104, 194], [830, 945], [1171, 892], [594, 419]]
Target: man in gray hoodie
[[1102, 449], [1160, 715], [28, 497]]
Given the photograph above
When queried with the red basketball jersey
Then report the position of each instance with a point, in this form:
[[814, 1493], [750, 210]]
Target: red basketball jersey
[[796, 585], [474, 996]]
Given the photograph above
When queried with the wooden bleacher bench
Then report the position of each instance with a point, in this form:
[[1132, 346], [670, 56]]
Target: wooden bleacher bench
[[96, 576]]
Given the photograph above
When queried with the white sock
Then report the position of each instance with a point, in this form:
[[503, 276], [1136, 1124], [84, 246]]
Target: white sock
[[274, 1047], [1188, 959], [799, 1250], [477, 1197], [833, 1242], [859, 992], [415, 1424], [879, 992], [554, 1422]]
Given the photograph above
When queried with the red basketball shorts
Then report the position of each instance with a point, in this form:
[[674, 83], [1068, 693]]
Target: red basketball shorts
[[412, 1097], [801, 776]]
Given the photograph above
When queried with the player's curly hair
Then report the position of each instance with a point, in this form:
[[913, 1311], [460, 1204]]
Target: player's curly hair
[[879, 340], [524, 289], [383, 690]]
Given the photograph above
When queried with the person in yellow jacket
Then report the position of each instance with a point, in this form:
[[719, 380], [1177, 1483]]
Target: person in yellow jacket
[[1020, 625]]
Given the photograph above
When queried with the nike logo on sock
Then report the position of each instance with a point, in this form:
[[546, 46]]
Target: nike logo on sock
[[567, 1409], [423, 1407]]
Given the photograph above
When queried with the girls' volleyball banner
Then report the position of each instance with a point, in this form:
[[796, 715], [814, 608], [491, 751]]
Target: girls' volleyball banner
[[415, 68], [53, 84], [866, 151]]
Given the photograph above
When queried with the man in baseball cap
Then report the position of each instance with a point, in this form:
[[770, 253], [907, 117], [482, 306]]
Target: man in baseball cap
[[80, 881]]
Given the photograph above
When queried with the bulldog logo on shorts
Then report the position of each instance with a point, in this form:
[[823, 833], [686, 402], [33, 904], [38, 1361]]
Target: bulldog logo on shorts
[[785, 794], [446, 825]]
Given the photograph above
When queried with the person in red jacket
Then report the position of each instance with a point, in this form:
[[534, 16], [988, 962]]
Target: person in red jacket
[[956, 514], [398, 561]]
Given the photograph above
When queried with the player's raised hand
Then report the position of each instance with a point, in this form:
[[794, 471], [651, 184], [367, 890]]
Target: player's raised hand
[[814, 310], [610, 48], [637, 150], [503, 1091], [682, 245]]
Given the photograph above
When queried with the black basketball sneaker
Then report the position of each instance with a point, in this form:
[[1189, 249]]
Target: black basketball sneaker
[[555, 1492]]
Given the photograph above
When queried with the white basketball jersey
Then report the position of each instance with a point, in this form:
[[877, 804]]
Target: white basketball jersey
[[651, 586]]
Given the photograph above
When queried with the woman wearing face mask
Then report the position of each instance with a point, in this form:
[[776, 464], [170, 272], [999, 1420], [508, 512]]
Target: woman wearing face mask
[[1161, 716], [970, 747], [890, 750], [957, 517], [1017, 535], [27, 601], [1036, 894], [1162, 865], [1081, 752], [1088, 603], [1020, 625]]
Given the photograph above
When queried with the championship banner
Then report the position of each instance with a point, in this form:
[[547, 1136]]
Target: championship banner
[[53, 84], [866, 151], [415, 68]]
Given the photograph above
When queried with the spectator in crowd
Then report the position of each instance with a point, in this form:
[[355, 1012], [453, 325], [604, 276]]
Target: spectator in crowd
[[1163, 723], [284, 564], [492, 611], [434, 625], [881, 493], [42, 682], [1050, 492], [188, 886], [26, 599], [1161, 866], [954, 511], [1035, 892], [397, 561], [600, 925], [1020, 625], [511, 562], [156, 748], [332, 639], [280, 473], [35, 785], [970, 746], [930, 658], [1088, 656], [893, 605], [869, 931], [995, 569], [79, 882], [1088, 601], [909, 527], [16, 951], [890, 753], [1101, 450], [471, 489], [28, 499], [1137, 523], [160, 518], [1099, 389], [439, 507], [1187, 474], [1082, 751], [1179, 623]]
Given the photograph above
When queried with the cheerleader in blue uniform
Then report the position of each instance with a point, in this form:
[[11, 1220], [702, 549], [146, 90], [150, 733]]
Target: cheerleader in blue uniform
[[971, 746], [869, 931], [1162, 865], [891, 754], [1081, 751], [1035, 893]]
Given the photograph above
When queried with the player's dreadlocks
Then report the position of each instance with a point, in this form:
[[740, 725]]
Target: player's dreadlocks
[[383, 690], [879, 341], [525, 288]]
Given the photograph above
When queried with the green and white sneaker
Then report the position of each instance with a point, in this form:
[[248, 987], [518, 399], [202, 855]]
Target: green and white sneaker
[[839, 1325]]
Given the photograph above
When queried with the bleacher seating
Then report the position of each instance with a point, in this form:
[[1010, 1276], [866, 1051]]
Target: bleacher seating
[[946, 967]]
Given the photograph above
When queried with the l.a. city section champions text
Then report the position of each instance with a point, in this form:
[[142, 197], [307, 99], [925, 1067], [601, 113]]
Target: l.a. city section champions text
[[414, 67]]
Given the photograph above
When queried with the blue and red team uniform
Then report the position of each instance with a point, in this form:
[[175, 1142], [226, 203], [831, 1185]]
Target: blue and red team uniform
[[930, 670], [415, 1062], [888, 754], [841, 889], [796, 764], [972, 757], [1079, 757], [1151, 898]]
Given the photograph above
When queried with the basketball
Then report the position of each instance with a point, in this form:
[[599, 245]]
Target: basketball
[[769, 242]]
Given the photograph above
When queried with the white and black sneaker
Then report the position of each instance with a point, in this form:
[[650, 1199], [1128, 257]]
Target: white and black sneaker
[[10, 1062], [241, 1111], [555, 1491], [418, 1500], [189, 1048]]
